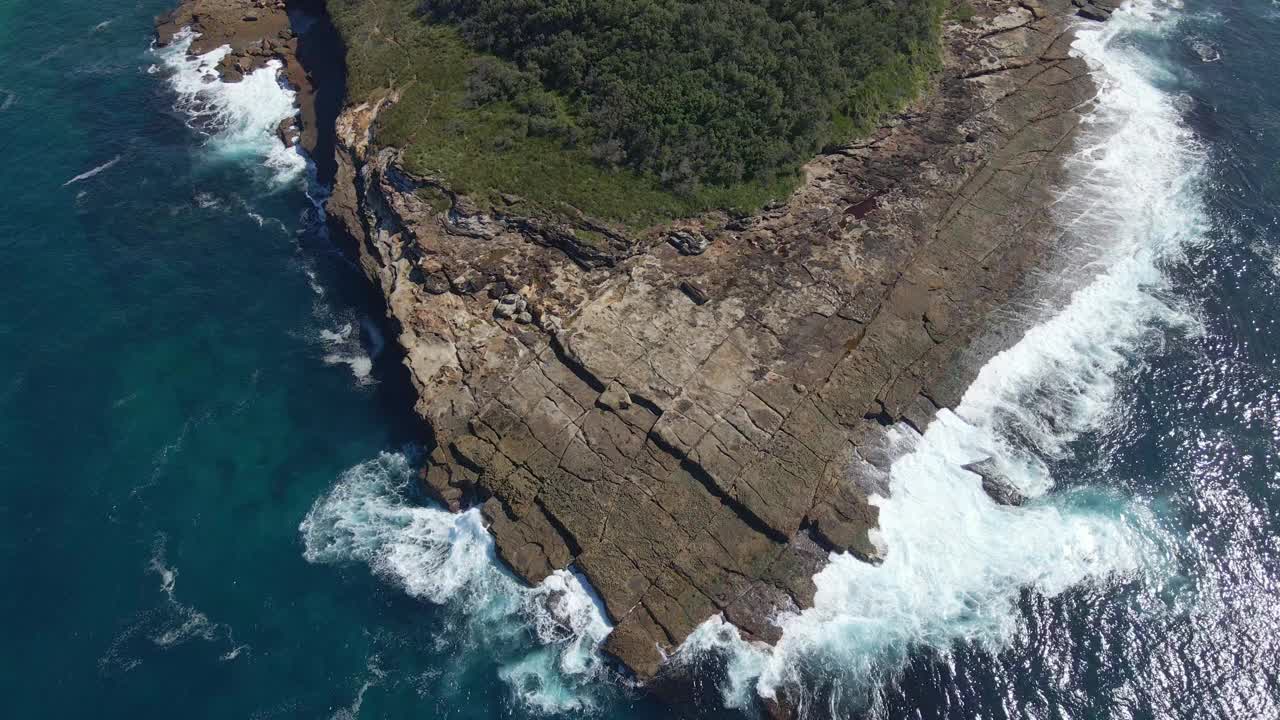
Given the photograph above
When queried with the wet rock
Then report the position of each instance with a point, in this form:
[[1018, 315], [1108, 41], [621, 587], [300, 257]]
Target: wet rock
[[1205, 50], [287, 132], [1089, 11], [778, 707], [994, 483]]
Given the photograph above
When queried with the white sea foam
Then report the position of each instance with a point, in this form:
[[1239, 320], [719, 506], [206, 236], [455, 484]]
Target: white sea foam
[[375, 677], [90, 173], [206, 200], [361, 365], [345, 348], [449, 559], [1269, 254], [956, 562], [314, 283], [170, 625], [184, 622], [241, 118]]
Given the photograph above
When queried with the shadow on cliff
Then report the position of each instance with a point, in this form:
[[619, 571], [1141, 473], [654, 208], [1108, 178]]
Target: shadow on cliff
[[323, 54]]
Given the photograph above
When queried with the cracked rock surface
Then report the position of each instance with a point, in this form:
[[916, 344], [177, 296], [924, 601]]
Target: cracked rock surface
[[694, 419]]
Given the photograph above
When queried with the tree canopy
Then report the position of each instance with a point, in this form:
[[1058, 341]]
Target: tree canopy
[[699, 92]]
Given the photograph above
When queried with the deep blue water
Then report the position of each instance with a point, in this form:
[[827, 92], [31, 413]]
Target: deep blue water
[[205, 512]]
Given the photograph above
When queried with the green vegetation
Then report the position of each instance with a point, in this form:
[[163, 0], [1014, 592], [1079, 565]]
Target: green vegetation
[[634, 111], [961, 11], [434, 197]]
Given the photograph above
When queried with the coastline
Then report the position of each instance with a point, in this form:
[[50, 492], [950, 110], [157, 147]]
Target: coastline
[[858, 304]]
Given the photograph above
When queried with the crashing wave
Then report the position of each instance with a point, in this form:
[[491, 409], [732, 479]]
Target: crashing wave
[[241, 118], [345, 342], [546, 638]]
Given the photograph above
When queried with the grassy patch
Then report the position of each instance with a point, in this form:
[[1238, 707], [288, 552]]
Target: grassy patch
[[961, 11], [487, 127], [434, 197]]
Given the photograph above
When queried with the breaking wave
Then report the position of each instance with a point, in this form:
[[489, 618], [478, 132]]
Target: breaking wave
[[343, 347], [956, 562], [545, 638], [241, 118]]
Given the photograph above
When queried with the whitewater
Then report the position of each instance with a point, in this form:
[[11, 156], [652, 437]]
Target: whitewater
[[240, 118]]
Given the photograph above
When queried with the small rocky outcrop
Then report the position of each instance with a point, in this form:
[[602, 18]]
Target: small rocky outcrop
[[257, 32], [1096, 10], [995, 483]]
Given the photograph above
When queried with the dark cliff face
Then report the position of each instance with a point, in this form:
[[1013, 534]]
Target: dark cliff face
[[322, 56], [695, 422]]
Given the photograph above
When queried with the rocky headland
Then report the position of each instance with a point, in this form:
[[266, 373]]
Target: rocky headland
[[694, 417]]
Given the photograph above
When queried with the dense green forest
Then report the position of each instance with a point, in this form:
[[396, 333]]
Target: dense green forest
[[707, 91], [664, 107]]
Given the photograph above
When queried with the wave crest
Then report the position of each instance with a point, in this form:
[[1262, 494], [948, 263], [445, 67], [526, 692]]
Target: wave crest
[[241, 118], [546, 639]]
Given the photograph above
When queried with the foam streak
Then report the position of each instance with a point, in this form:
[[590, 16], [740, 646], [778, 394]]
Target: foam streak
[[86, 175]]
